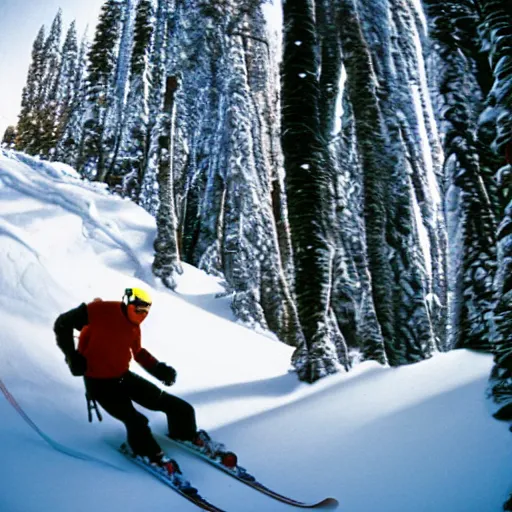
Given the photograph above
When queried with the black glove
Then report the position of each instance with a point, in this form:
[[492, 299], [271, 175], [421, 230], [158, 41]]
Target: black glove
[[165, 374], [77, 363]]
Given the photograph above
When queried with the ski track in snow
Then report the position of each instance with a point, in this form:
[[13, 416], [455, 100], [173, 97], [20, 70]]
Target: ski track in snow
[[69, 196]]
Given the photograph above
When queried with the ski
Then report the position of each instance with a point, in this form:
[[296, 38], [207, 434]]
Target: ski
[[244, 476], [174, 480]]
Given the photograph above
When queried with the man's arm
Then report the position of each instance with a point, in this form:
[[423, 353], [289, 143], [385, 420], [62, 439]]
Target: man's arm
[[164, 373], [145, 359], [73, 319]]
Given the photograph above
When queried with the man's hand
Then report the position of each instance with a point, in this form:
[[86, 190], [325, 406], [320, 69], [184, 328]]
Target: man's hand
[[165, 374], [77, 363]]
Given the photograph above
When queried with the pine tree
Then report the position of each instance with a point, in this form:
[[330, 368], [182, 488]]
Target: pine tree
[[471, 221], [249, 247], [274, 246], [114, 122], [387, 100], [224, 76], [132, 159], [148, 195], [167, 261], [9, 138], [66, 89], [371, 137], [352, 298], [411, 184], [32, 99], [308, 192], [70, 144], [351, 290], [49, 111], [422, 149], [496, 31], [99, 144]]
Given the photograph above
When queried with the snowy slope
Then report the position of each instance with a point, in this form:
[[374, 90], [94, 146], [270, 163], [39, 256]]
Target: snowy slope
[[413, 438]]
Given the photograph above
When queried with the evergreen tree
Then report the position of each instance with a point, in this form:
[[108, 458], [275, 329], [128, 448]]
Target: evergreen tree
[[148, 195], [496, 30], [371, 137], [99, 144], [133, 154], [9, 138], [262, 77], [70, 144], [66, 88], [411, 184], [32, 99], [471, 220], [387, 97], [249, 247], [308, 192], [422, 149], [352, 287], [49, 110], [114, 122], [218, 161], [167, 260]]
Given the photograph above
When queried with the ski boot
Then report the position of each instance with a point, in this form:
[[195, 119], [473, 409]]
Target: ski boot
[[171, 469], [214, 450]]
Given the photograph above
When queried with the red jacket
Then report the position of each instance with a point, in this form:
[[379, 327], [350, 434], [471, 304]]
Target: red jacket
[[109, 341]]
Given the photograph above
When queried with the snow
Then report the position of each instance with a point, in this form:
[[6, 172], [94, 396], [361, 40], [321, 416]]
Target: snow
[[339, 102], [418, 437], [273, 12]]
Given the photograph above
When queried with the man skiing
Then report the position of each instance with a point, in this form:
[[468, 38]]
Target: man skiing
[[110, 335]]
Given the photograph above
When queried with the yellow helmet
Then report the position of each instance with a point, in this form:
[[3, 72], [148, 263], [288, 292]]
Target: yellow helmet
[[137, 296]]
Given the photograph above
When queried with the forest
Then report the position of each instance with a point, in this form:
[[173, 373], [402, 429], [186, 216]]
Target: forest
[[345, 170]]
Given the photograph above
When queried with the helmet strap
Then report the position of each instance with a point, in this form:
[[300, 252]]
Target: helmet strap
[[127, 293]]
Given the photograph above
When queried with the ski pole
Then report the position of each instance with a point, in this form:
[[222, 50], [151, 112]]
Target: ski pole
[[92, 406]]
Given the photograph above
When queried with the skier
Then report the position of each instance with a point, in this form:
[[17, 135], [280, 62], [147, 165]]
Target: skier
[[110, 335]]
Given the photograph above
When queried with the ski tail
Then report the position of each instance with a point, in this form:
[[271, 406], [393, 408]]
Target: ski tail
[[175, 479]]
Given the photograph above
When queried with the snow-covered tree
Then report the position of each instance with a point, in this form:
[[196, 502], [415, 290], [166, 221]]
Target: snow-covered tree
[[471, 214], [99, 140], [132, 158], [9, 137], [49, 110], [32, 99], [352, 298], [421, 146], [114, 122], [371, 140], [222, 148], [148, 195], [249, 247], [167, 260], [70, 143], [308, 193], [496, 31], [66, 89]]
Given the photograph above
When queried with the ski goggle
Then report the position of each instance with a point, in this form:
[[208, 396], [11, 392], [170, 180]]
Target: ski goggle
[[140, 305], [133, 296]]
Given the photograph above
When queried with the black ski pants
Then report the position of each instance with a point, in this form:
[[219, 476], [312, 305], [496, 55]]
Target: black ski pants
[[116, 396]]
